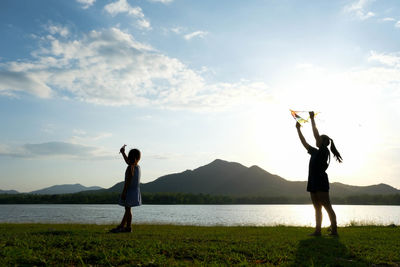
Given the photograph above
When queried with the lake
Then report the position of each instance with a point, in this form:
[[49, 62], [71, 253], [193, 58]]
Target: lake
[[204, 215]]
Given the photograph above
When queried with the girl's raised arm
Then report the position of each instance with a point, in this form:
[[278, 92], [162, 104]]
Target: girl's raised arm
[[302, 139], [314, 127], [122, 151]]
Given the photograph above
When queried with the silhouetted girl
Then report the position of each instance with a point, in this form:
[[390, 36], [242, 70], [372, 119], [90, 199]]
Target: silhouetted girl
[[130, 196], [318, 184]]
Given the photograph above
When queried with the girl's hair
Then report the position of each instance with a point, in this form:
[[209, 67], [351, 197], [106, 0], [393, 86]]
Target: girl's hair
[[134, 154], [326, 140], [335, 152]]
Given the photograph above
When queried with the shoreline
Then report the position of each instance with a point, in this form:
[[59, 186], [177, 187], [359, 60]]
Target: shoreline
[[355, 224]]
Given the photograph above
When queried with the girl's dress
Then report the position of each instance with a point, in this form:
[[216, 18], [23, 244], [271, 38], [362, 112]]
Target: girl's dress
[[133, 196], [317, 176]]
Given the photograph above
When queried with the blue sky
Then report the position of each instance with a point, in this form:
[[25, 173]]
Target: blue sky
[[187, 82]]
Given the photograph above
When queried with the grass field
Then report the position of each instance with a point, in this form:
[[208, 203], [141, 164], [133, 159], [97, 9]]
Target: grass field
[[77, 244]]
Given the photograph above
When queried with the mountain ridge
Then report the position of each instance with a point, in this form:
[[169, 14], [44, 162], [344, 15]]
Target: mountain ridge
[[8, 192], [64, 189], [221, 177], [231, 178]]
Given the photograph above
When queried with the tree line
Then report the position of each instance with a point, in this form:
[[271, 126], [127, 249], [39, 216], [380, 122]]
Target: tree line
[[183, 198]]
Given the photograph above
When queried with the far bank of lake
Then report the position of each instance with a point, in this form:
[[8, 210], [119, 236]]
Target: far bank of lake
[[200, 215]]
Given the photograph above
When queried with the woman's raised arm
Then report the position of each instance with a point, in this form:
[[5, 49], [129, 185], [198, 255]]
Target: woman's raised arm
[[122, 151], [314, 127], [301, 136]]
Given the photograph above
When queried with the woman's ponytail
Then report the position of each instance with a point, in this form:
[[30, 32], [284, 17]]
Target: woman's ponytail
[[335, 152]]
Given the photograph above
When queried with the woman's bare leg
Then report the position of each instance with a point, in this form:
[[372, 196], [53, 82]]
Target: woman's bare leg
[[318, 212], [124, 219], [128, 214], [326, 202]]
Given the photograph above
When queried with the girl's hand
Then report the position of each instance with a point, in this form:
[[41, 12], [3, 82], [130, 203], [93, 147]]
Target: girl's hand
[[312, 114], [122, 150], [298, 125]]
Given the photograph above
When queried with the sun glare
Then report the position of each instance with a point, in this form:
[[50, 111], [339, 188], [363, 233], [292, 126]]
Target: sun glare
[[345, 113]]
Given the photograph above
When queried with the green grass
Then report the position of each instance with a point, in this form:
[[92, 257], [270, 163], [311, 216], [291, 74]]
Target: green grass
[[83, 245]]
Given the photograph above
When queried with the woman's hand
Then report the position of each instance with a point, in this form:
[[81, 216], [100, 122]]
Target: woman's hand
[[312, 114], [122, 150], [298, 125]]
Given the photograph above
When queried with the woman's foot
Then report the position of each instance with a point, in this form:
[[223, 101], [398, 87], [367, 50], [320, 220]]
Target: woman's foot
[[332, 231], [316, 233], [126, 230], [120, 229], [117, 229]]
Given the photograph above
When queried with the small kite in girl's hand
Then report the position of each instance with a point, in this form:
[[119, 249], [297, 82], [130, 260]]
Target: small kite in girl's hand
[[298, 118]]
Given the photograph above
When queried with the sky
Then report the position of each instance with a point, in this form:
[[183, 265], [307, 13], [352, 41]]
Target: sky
[[188, 81]]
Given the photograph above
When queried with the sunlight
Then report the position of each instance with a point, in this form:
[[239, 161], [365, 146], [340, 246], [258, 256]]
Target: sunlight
[[347, 114]]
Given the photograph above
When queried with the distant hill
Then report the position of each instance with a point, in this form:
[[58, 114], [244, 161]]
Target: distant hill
[[223, 178], [219, 182], [344, 190], [64, 189], [8, 192], [233, 179]]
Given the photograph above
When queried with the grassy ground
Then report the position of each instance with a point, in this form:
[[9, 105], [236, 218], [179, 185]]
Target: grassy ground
[[76, 244]]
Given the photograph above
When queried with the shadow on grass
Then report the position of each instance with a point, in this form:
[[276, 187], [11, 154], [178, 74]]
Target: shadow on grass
[[51, 232], [325, 251]]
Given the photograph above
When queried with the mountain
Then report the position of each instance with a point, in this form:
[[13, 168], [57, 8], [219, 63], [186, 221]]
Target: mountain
[[230, 178], [344, 190], [64, 189], [223, 178], [8, 192], [118, 187]]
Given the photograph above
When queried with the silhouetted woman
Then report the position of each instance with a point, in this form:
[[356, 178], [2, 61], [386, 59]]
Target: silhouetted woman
[[130, 196], [318, 184]]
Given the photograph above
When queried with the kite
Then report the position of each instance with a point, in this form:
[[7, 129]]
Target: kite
[[298, 118]]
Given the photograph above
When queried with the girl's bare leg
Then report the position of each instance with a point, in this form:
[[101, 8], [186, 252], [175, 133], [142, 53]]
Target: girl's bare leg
[[318, 212], [124, 220], [128, 214], [326, 202]]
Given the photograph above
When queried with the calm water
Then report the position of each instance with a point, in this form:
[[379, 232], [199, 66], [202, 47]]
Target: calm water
[[229, 215]]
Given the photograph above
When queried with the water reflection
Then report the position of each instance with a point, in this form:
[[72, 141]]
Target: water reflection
[[229, 215]]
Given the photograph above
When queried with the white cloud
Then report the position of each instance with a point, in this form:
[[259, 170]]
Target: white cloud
[[177, 30], [55, 149], [397, 25], [24, 82], [57, 29], [81, 145], [389, 59], [86, 3], [367, 15], [144, 24], [79, 132], [48, 128], [81, 137], [122, 6], [358, 9], [198, 34], [388, 19], [162, 1], [109, 67]]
